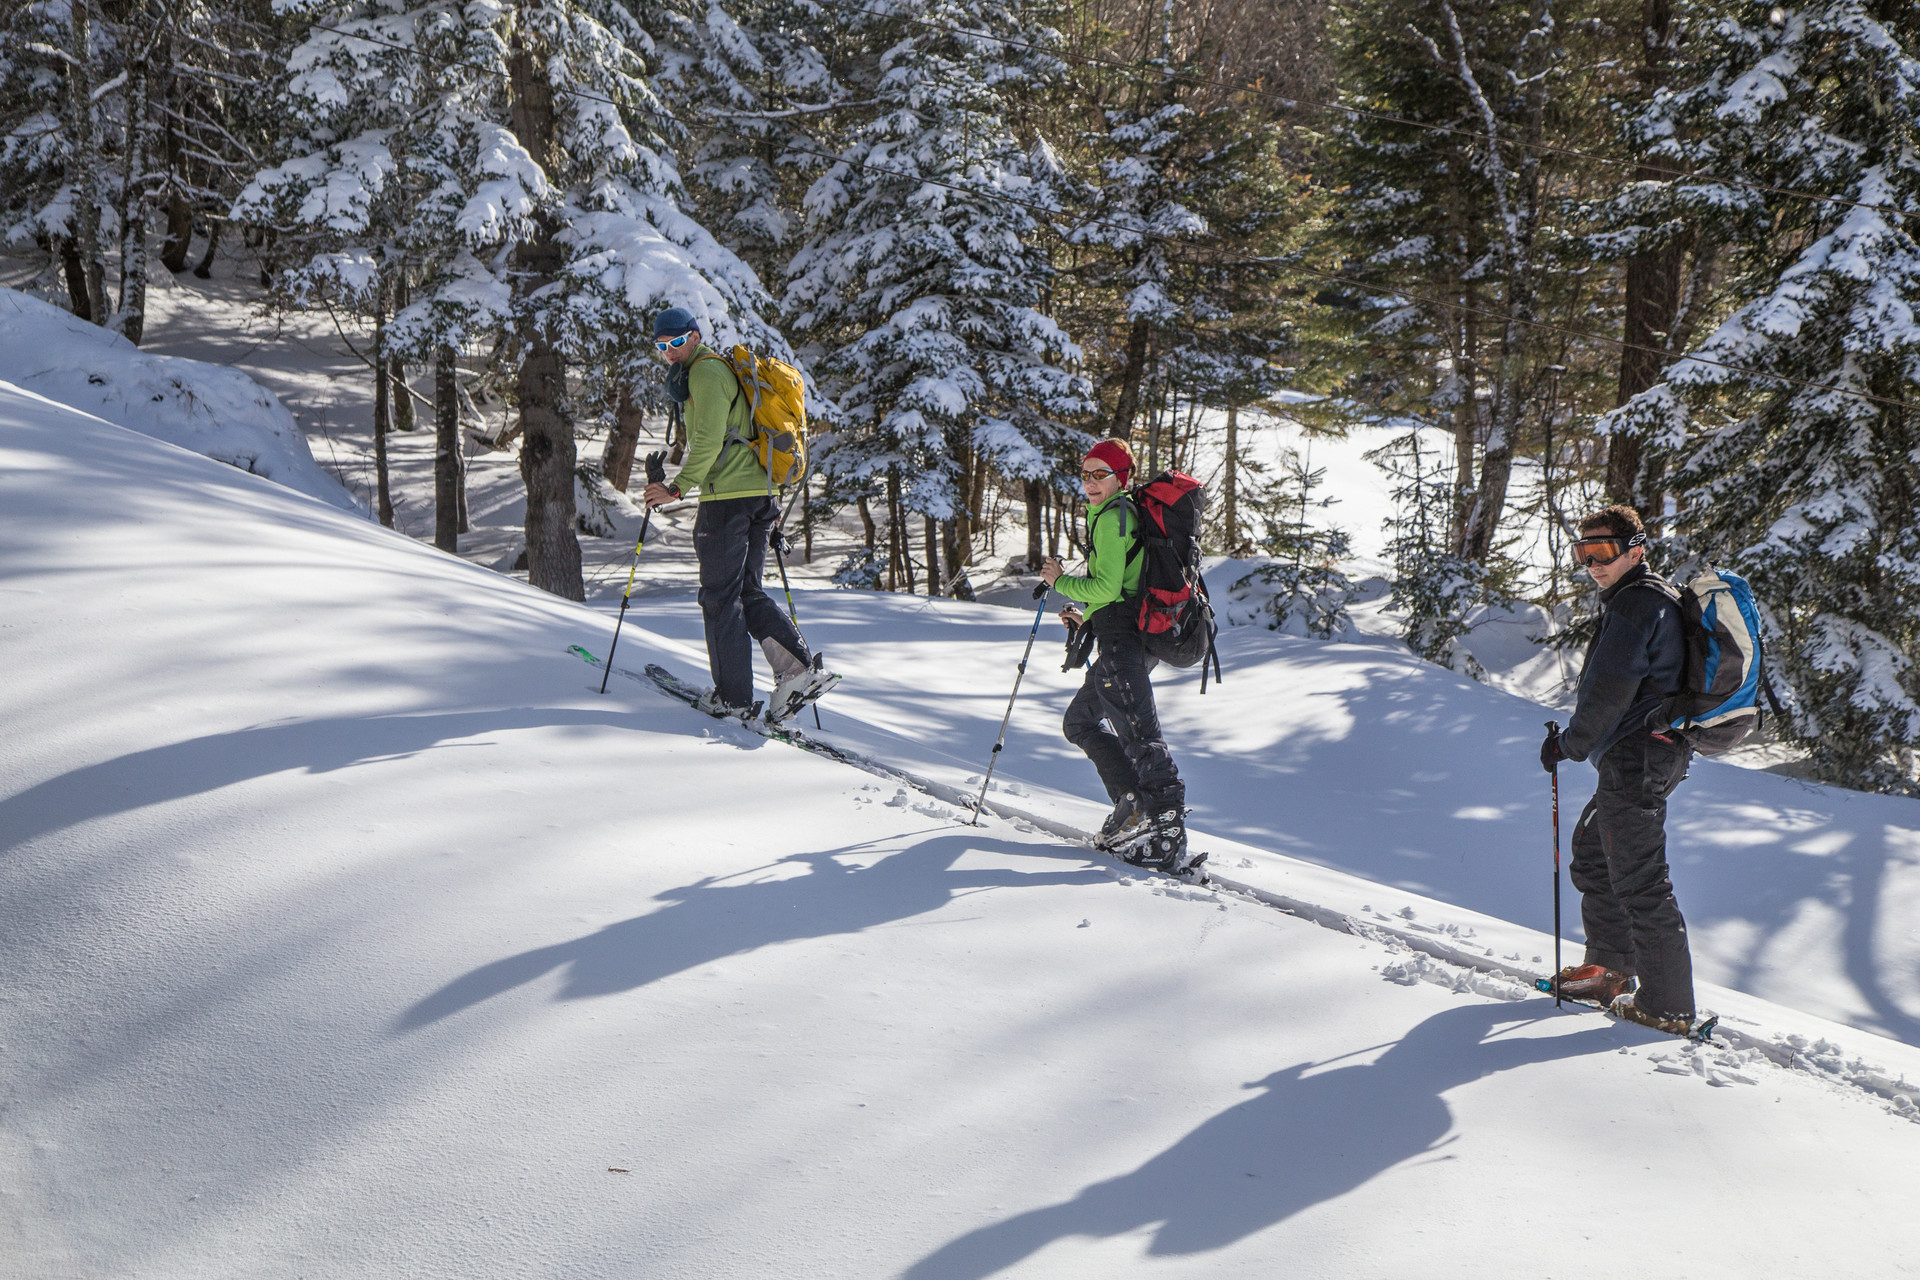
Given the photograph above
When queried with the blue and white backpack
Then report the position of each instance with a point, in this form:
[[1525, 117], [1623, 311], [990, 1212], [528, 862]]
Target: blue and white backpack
[[1717, 704]]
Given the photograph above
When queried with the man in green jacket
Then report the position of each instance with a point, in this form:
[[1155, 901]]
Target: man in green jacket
[[737, 514], [1113, 718]]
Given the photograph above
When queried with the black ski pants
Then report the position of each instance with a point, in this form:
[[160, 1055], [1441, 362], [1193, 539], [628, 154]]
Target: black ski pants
[[1113, 719], [1619, 866], [730, 540]]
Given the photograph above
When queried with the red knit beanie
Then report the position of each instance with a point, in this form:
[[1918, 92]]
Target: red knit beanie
[[1115, 455]]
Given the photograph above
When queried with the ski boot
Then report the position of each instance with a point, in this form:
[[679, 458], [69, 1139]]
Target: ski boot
[[1592, 982], [798, 689], [1121, 825], [712, 704], [1673, 1024], [1161, 844]]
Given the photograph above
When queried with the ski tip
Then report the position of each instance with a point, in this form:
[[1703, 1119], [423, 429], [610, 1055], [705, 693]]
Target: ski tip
[[589, 658], [1543, 985], [1703, 1032]]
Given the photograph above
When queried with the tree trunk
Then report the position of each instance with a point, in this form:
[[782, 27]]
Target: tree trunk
[[1131, 372], [935, 578], [136, 190], [1466, 422], [382, 405], [1652, 291], [86, 205], [179, 237], [806, 518], [546, 448], [895, 573], [1520, 219], [76, 274], [205, 269], [1230, 508], [460, 492], [616, 462], [1036, 520], [396, 368], [403, 419], [446, 451], [173, 254], [867, 527]]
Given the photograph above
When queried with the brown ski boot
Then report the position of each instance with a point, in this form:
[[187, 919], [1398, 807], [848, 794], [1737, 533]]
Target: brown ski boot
[[1672, 1023], [1591, 982]]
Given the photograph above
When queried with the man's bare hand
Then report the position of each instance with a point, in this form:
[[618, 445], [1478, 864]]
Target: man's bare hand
[[1051, 569], [658, 495], [1072, 616]]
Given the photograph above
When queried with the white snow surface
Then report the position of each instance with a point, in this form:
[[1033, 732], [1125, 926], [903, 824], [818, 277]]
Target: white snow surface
[[349, 931], [211, 410]]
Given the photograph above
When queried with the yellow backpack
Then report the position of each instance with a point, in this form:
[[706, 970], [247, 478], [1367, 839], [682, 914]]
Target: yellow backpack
[[779, 424]]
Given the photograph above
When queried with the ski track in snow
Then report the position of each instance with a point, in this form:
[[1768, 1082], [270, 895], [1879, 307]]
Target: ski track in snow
[[1443, 954]]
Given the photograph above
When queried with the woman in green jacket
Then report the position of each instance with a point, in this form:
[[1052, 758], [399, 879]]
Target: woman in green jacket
[[1113, 718]]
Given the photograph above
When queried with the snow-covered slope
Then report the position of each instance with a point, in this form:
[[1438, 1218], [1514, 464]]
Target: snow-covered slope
[[210, 409], [349, 932]]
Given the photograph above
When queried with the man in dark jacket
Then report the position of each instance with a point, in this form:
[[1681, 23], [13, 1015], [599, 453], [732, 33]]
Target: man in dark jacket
[[1635, 660]]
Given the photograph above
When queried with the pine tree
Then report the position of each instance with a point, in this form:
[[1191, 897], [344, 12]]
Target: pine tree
[[920, 281], [1185, 204], [115, 117], [1792, 428], [514, 162]]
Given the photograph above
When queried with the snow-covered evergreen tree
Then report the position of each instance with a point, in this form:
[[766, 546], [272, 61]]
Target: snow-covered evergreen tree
[[515, 158], [747, 78], [120, 121], [1794, 427], [1185, 204], [920, 281]]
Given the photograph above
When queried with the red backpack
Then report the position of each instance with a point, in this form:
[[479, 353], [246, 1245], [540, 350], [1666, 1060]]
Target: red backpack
[[1176, 618]]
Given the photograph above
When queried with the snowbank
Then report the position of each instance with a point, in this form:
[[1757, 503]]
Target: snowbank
[[215, 411], [349, 931]]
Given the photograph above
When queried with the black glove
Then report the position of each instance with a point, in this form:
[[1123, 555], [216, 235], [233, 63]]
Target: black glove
[[777, 540], [657, 467], [1550, 752]]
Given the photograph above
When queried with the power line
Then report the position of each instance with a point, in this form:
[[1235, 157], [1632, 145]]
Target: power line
[[1048, 211]]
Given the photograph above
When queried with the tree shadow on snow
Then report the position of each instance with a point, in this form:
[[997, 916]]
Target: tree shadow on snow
[[716, 917], [198, 765], [1300, 1140]]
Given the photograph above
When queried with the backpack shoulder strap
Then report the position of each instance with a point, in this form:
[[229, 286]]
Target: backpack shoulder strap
[[1129, 521]]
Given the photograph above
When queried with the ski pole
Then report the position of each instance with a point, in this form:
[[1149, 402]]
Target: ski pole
[[656, 474], [1040, 594], [1553, 727], [779, 544]]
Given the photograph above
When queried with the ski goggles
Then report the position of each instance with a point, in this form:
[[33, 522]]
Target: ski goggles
[[1588, 552], [674, 344]]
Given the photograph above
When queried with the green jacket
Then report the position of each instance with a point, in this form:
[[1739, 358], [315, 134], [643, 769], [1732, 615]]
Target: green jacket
[[716, 404], [1110, 575]]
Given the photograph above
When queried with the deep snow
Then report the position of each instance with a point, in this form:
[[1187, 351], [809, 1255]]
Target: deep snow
[[350, 932], [210, 409]]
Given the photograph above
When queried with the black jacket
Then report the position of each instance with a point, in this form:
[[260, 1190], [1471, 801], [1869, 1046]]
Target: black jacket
[[1634, 661]]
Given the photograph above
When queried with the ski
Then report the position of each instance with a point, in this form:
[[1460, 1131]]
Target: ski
[[1700, 1033], [674, 687]]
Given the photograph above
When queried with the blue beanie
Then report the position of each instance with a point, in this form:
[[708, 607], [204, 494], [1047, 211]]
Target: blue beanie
[[673, 322]]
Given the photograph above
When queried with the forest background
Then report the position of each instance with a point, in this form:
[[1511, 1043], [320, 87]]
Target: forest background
[[1651, 251]]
